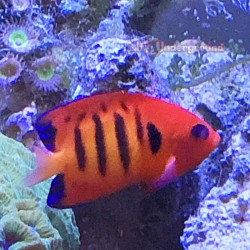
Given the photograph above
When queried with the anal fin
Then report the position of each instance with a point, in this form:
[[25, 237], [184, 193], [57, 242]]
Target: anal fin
[[56, 192]]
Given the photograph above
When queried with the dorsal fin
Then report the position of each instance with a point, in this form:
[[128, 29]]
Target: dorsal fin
[[52, 125]]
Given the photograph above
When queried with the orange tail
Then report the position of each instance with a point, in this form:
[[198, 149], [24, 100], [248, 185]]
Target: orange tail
[[46, 167]]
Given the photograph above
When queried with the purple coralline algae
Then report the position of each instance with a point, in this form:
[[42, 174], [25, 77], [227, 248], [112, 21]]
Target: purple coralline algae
[[222, 219], [23, 120], [69, 6], [243, 4], [218, 90], [216, 7], [116, 64]]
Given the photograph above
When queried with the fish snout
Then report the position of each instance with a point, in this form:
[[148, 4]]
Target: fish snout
[[217, 138]]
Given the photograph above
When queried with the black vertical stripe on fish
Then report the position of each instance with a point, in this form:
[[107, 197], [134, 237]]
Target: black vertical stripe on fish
[[122, 140], [124, 106], [104, 107], [155, 138], [139, 127], [47, 133], [67, 118], [79, 149], [100, 145], [56, 192], [81, 116]]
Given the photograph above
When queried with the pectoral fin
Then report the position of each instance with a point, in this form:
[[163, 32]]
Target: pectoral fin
[[46, 167], [169, 174]]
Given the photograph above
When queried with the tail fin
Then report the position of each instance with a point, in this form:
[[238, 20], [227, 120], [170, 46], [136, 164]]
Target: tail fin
[[46, 167]]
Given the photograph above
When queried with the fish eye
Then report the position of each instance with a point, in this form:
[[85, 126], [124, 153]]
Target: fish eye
[[200, 131]]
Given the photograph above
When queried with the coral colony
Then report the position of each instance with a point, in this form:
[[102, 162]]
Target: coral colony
[[43, 73], [10, 69], [24, 220], [20, 36]]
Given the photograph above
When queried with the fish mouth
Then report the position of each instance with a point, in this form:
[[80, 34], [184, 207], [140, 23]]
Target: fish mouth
[[217, 138]]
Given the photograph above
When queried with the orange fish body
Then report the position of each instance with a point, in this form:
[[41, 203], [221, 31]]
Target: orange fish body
[[101, 144]]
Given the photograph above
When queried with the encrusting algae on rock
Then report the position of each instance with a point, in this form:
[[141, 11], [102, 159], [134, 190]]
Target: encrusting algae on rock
[[25, 221]]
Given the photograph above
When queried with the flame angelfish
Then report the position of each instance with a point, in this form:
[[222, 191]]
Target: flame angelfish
[[104, 143]]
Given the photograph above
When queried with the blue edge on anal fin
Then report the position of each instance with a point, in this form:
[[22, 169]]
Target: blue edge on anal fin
[[47, 133], [56, 192]]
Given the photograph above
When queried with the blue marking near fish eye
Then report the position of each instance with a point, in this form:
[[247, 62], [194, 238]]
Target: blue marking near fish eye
[[200, 131]]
